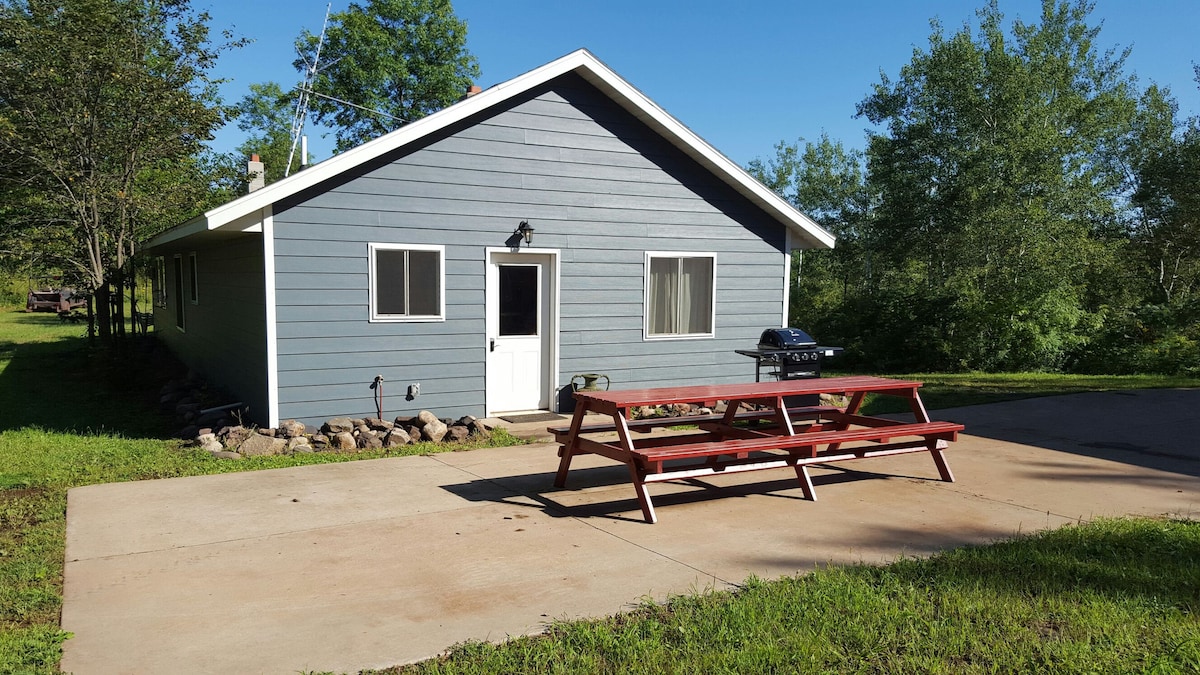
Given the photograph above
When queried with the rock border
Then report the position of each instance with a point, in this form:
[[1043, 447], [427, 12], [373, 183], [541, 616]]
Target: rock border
[[339, 434]]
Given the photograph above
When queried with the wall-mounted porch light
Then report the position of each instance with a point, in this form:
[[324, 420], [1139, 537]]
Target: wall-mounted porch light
[[524, 230]]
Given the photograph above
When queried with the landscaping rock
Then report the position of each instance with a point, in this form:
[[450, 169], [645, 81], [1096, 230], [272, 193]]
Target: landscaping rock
[[376, 424], [395, 437], [319, 441], [259, 445], [202, 437], [343, 441], [425, 417], [235, 436], [226, 454], [370, 441], [303, 449], [457, 433], [338, 425], [434, 430], [291, 429], [679, 409], [267, 432], [214, 446], [478, 428], [405, 422]]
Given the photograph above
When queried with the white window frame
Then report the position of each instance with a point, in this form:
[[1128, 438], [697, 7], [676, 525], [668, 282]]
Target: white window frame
[[177, 276], [193, 279], [376, 317], [646, 335], [159, 285]]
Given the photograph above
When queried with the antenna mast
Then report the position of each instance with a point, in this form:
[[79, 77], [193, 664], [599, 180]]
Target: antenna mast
[[301, 114]]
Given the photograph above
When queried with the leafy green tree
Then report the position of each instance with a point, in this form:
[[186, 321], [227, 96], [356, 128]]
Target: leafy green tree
[[266, 112], [388, 63], [102, 100], [998, 181], [827, 182], [1151, 307], [1166, 228]]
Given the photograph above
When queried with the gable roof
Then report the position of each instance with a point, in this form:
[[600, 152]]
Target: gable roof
[[241, 214]]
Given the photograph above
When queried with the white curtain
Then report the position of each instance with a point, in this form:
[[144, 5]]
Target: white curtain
[[664, 289], [681, 292], [695, 299]]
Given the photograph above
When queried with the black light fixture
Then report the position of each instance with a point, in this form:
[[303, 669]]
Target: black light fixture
[[525, 231]]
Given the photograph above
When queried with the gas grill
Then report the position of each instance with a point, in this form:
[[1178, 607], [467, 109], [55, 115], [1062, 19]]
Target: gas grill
[[788, 354]]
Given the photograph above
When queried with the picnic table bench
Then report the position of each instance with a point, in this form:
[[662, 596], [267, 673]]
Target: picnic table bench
[[727, 444]]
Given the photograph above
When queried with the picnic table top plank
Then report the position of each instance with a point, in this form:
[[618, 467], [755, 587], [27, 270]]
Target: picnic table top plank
[[745, 391]]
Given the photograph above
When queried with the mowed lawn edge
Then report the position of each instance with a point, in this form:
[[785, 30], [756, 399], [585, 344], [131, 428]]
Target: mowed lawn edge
[[1110, 596]]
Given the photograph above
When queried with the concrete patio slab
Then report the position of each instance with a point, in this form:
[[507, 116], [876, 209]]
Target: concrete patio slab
[[368, 564]]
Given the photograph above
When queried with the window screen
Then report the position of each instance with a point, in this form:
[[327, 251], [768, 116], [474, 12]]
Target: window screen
[[406, 282]]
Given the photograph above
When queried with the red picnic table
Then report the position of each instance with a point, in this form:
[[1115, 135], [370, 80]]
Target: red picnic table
[[768, 436]]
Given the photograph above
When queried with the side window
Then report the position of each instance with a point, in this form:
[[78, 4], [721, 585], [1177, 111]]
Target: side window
[[193, 279], [680, 295], [158, 284], [407, 282], [178, 270]]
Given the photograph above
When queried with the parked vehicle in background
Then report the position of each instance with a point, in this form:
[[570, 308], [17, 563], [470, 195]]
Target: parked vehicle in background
[[47, 300]]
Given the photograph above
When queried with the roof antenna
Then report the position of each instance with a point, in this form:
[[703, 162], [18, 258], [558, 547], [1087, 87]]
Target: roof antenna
[[301, 113]]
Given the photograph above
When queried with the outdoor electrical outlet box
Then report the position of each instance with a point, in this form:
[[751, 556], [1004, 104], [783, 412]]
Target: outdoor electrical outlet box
[[414, 389]]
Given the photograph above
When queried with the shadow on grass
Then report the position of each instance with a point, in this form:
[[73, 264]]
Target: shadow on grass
[[70, 386]]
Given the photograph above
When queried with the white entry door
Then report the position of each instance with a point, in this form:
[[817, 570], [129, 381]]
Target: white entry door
[[519, 300]]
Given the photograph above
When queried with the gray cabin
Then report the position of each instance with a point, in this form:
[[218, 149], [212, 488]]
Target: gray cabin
[[477, 259]]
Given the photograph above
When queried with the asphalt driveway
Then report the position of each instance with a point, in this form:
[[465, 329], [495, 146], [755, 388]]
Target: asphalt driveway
[[370, 564]]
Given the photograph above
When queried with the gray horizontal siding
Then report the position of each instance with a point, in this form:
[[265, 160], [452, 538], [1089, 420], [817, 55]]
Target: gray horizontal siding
[[595, 183], [224, 337]]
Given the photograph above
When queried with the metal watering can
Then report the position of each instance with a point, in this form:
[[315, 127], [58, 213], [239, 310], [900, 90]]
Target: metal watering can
[[589, 382]]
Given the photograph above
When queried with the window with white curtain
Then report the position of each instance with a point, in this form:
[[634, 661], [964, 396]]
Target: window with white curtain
[[680, 295]]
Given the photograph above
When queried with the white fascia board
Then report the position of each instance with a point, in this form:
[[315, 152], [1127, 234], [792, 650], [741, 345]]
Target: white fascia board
[[591, 69], [194, 226]]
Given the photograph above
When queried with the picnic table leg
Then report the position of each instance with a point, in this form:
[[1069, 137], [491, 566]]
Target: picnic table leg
[[806, 485], [935, 446], [643, 497], [567, 450], [856, 402], [635, 472], [781, 416], [935, 449]]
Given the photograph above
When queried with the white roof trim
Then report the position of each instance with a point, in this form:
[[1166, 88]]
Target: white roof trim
[[582, 62]]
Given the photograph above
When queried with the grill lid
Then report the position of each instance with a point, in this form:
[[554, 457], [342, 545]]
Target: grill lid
[[785, 338]]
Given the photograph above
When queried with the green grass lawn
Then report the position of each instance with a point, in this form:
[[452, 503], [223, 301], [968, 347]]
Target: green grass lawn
[[1118, 596], [72, 416]]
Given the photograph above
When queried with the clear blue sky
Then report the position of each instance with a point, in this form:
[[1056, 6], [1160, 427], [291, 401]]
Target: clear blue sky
[[744, 76]]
